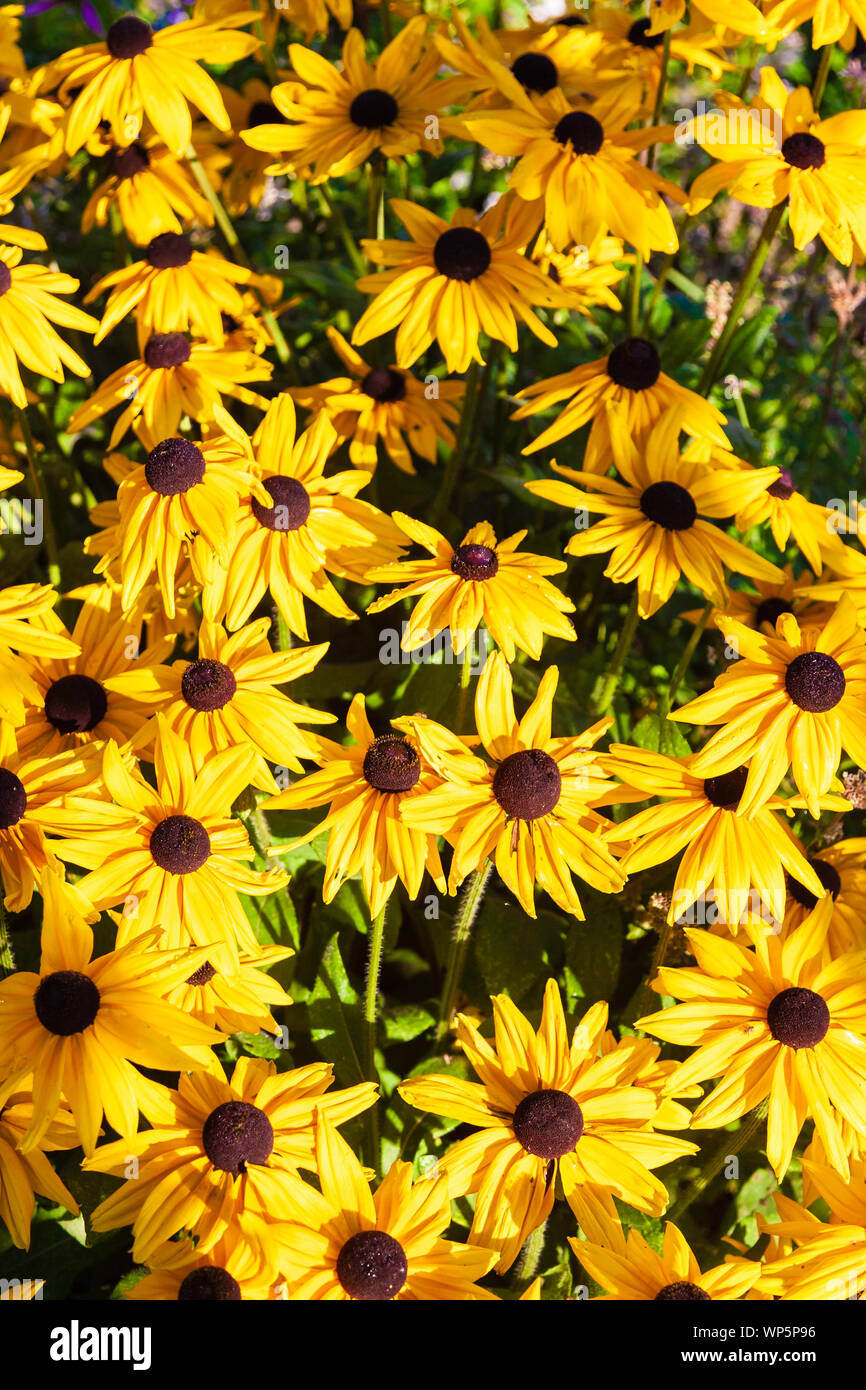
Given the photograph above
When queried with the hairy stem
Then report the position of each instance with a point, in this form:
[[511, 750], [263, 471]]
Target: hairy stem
[[467, 912]]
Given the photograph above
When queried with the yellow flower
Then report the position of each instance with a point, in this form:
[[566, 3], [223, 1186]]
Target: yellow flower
[[28, 307], [151, 188], [24, 1174], [31, 793], [241, 1266]]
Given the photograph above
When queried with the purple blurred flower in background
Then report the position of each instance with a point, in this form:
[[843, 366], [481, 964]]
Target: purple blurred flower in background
[[88, 12]]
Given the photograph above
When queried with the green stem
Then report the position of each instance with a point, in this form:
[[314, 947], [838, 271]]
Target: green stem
[[815, 447], [684, 661], [385, 12], [753, 269], [634, 295], [729, 1147], [267, 53], [7, 959], [463, 701], [665, 269], [467, 912], [41, 494], [376, 200], [821, 75], [371, 994], [748, 69], [452, 467], [660, 94], [529, 1259], [614, 671], [341, 227]]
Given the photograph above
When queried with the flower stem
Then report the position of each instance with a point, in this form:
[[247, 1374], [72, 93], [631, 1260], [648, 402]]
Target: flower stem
[[376, 200], [634, 295], [371, 993], [814, 449], [7, 959], [526, 1266], [660, 94], [267, 53], [467, 912], [729, 1147], [821, 75], [41, 494], [753, 269], [385, 11], [452, 467], [684, 661], [614, 671], [359, 265]]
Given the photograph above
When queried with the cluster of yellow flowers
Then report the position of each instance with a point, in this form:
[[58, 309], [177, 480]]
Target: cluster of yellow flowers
[[136, 782]]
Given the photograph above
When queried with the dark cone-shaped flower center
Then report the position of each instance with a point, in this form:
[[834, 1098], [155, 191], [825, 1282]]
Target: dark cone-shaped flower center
[[580, 130], [13, 799], [373, 109], [202, 976], [75, 704], [128, 37], [803, 151], [815, 682], [638, 34], [127, 163], [180, 845], [527, 784], [372, 1266], [634, 363], [210, 1282], [384, 384], [770, 609], [536, 72], [783, 487], [726, 790], [174, 466], [167, 350], [391, 764], [66, 1002], [264, 113], [798, 1018], [669, 505], [169, 251], [461, 253], [682, 1292], [291, 504], [828, 875], [236, 1134], [548, 1123], [5, 279], [476, 562], [207, 685]]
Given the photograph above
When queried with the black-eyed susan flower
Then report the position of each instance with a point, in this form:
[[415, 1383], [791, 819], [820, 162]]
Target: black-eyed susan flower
[[77, 1025], [773, 1022], [228, 698], [778, 148], [546, 1107], [220, 1150], [827, 1259], [152, 190], [764, 603], [453, 281], [384, 403], [814, 527], [171, 854], [367, 786], [630, 376], [830, 21], [633, 54], [239, 997], [315, 16], [31, 790], [654, 520], [240, 1267], [23, 1174], [481, 580], [22, 607], [29, 305], [841, 871], [297, 528], [136, 72], [795, 699], [73, 704], [583, 277], [531, 807], [354, 1245], [629, 1270], [742, 867], [173, 377]]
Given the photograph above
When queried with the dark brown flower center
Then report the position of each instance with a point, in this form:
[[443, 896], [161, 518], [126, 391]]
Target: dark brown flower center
[[167, 350], [66, 1002], [128, 37], [210, 1282], [264, 113], [174, 466], [726, 790], [180, 845], [373, 109], [669, 505], [548, 1123], [683, 1291], [236, 1134], [829, 878], [202, 976], [476, 562], [291, 504], [13, 799], [207, 685], [391, 764], [169, 251], [638, 34], [798, 1018], [803, 151], [815, 682], [372, 1266], [527, 784], [770, 609], [75, 704], [5, 279], [462, 253], [783, 487], [635, 364], [580, 130], [536, 72], [127, 163], [384, 384]]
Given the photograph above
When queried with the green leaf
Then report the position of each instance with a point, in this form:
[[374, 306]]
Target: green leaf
[[593, 951], [335, 1017], [407, 1021], [660, 736]]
